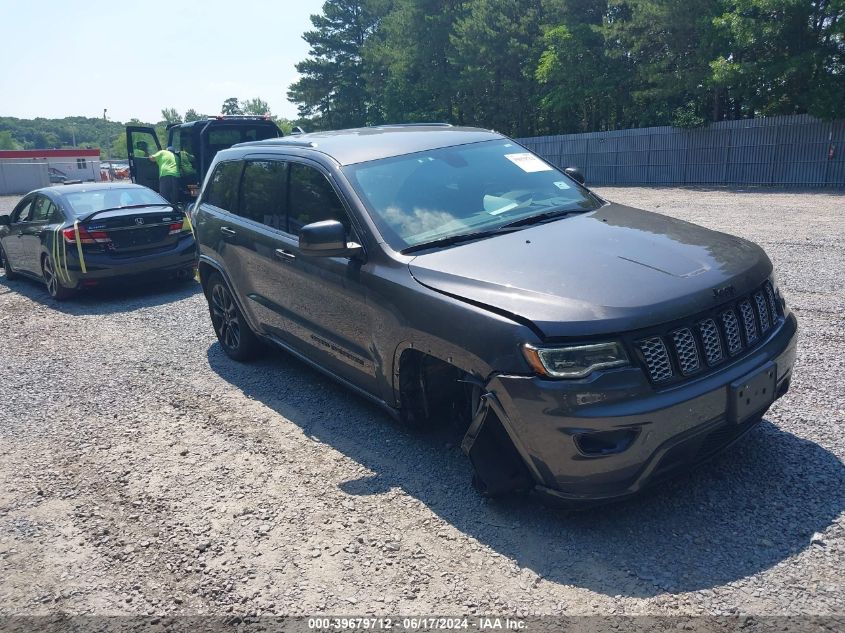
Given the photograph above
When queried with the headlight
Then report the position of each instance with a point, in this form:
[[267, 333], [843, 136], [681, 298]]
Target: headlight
[[574, 361]]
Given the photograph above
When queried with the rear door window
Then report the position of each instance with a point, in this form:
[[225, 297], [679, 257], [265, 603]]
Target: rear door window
[[42, 209], [312, 199], [264, 193], [222, 189]]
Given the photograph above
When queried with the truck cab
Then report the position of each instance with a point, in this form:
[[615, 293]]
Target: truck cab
[[195, 144]]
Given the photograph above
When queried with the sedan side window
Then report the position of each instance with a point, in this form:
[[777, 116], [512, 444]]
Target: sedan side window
[[42, 209], [23, 213], [264, 193], [312, 199]]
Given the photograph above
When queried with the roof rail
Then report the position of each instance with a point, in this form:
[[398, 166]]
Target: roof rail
[[284, 140], [432, 124], [226, 117]]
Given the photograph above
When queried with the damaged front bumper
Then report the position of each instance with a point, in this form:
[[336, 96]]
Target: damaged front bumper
[[611, 434]]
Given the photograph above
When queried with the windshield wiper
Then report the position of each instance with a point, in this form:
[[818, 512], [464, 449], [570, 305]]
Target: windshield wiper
[[455, 239], [543, 217]]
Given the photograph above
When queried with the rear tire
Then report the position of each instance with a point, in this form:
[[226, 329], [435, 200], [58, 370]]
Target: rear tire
[[11, 275], [51, 279], [235, 336]]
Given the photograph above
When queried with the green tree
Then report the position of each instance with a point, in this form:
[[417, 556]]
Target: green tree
[[408, 62], [784, 57], [193, 115], [255, 106], [583, 87], [170, 115], [668, 46], [496, 47], [332, 89], [7, 141], [231, 106]]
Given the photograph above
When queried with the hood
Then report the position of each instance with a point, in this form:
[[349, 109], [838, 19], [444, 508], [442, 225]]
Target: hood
[[612, 270]]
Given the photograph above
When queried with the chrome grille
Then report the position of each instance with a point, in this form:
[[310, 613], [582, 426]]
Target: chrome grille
[[770, 292], [656, 358], [731, 324], [712, 342], [763, 311], [686, 351], [748, 321]]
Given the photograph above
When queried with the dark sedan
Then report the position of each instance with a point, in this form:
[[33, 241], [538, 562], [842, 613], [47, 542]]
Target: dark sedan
[[84, 235]]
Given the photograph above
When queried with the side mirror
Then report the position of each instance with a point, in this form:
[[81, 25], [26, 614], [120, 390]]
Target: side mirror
[[576, 174], [326, 239], [5, 220]]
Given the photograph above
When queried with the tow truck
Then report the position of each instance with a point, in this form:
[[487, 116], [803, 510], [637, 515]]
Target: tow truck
[[195, 144]]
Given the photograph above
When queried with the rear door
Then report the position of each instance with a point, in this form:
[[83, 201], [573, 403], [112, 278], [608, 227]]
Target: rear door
[[141, 143], [323, 299]]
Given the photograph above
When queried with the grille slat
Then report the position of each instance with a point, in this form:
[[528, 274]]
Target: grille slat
[[709, 332], [686, 351], [732, 338], [748, 321], [711, 338], [763, 311], [770, 293], [656, 359]]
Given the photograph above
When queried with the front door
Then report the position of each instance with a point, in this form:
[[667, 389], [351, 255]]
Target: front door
[[141, 143], [12, 243], [32, 233]]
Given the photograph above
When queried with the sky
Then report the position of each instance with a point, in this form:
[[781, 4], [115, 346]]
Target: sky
[[134, 58]]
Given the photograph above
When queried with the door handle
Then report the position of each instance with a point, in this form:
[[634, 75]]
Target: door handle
[[284, 255], [225, 230]]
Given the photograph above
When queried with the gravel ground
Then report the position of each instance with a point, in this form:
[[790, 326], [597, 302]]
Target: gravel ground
[[142, 472]]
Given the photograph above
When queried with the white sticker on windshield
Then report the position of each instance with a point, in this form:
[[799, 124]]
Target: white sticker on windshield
[[528, 162], [561, 185]]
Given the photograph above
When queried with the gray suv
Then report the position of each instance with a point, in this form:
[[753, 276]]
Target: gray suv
[[583, 349]]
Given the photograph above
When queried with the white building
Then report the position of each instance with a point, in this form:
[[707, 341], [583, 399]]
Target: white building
[[27, 169]]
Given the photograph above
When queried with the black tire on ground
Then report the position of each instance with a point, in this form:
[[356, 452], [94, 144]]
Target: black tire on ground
[[10, 274], [235, 336], [51, 279]]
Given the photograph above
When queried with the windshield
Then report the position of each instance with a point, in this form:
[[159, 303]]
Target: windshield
[[427, 196], [84, 202]]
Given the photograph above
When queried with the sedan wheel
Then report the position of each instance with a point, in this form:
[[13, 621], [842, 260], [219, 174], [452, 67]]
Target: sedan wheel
[[51, 280], [234, 334]]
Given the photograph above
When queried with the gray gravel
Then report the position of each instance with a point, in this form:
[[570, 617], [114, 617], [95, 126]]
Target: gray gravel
[[143, 472]]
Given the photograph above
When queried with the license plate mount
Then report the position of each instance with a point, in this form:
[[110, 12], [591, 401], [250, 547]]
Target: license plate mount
[[753, 393]]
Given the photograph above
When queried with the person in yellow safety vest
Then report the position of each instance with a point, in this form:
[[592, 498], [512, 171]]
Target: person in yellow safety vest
[[168, 174], [140, 150], [186, 165]]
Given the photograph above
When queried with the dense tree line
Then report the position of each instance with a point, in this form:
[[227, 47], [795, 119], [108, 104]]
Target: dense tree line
[[529, 67], [110, 136]]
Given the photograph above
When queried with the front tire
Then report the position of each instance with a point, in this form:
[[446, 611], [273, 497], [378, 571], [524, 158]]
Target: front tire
[[51, 279], [235, 336], [11, 275]]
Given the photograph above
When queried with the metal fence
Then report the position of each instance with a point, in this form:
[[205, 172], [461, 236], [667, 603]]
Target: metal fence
[[781, 151]]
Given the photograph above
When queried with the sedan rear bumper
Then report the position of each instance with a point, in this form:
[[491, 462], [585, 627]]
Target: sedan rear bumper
[[102, 266], [610, 435]]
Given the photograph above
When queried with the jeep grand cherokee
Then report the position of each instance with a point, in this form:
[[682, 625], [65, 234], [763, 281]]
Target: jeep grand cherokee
[[584, 348]]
